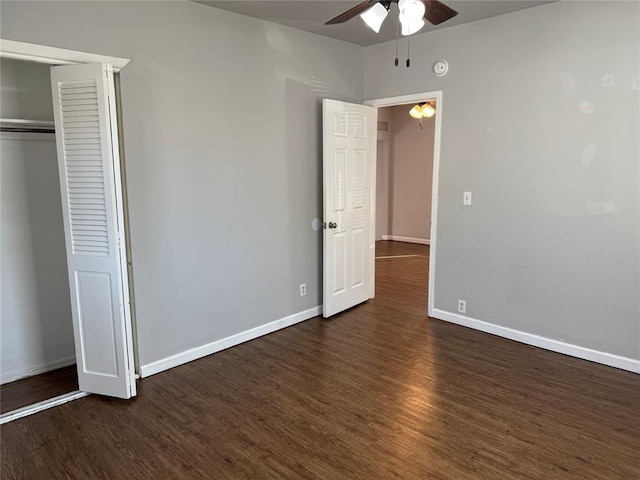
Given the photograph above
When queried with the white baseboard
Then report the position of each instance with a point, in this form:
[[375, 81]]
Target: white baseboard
[[398, 238], [238, 338], [36, 370], [604, 358]]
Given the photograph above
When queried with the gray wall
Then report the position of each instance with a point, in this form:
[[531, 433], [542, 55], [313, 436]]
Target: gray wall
[[35, 314], [221, 132], [410, 174], [36, 330], [221, 202], [25, 90], [540, 121]]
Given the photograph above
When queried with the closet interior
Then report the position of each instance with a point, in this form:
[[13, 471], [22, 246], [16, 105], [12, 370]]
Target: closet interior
[[37, 344]]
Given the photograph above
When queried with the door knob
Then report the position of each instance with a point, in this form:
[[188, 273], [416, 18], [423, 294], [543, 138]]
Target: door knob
[[333, 225]]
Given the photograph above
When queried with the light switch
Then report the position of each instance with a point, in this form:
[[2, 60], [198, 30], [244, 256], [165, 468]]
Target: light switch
[[466, 198]]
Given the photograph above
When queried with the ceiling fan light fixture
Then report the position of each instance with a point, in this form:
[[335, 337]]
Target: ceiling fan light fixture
[[411, 27], [423, 110], [375, 16], [416, 112], [428, 111], [411, 10]]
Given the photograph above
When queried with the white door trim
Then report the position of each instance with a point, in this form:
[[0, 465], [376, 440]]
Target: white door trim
[[32, 52], [400, 100]]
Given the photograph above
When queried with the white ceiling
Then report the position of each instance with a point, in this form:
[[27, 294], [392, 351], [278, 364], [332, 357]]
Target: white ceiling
[[310, 15]]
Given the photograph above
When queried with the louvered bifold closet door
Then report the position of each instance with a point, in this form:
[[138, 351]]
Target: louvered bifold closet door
[[88, 163]]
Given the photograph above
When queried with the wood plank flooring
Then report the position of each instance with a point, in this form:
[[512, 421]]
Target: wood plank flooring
[[379, 392], [37, 388]]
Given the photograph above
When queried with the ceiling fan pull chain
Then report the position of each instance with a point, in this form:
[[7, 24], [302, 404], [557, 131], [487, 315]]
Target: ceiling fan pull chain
[[408, 59], [397, 61]]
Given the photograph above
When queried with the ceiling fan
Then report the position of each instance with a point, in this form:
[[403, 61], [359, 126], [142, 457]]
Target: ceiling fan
[[412, 14]]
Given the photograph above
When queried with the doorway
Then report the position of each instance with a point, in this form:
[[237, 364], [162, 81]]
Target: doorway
[[62, 140], [350, 178], [406, 175], [404, 170]]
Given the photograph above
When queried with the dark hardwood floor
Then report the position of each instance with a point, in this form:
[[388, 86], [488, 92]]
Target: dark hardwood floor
[[28, 391], [379, 392], [400, 249]]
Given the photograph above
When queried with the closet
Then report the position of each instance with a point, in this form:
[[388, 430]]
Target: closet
[[64, 289], [37, 343]]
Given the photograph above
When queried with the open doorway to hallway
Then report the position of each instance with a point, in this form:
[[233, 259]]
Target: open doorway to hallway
[[404, 172]]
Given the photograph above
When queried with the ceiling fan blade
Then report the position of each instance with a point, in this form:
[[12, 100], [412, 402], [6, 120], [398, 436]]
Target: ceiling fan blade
[[352, 12], [437, 12]]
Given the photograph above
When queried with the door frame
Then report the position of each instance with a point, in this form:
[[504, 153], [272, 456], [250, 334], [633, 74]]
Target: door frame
[[35, 53], [403, 100], [31, 52]]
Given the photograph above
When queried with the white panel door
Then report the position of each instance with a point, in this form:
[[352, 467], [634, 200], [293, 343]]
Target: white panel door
[[348, 152], [89, 166]]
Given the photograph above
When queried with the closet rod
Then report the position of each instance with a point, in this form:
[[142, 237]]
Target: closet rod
[[20, 125]]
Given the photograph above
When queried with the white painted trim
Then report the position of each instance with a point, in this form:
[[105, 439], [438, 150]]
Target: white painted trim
[[222, 344], [435, 188], [373, 146], [38, 407], [32, 52], [584, 353], [398, 238], [404, 99], [123, 269], [38, 369], [417, 97]]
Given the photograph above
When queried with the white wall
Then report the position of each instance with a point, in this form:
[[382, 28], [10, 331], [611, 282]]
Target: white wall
[[221, 118], [36, 332], [410, 174], [540, 121], [382, 172], [35, 317], [35, 314], [25, 90], [403, 176]]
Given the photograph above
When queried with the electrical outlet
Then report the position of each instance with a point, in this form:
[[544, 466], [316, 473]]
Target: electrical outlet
[[462, 306], [303, 289]]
